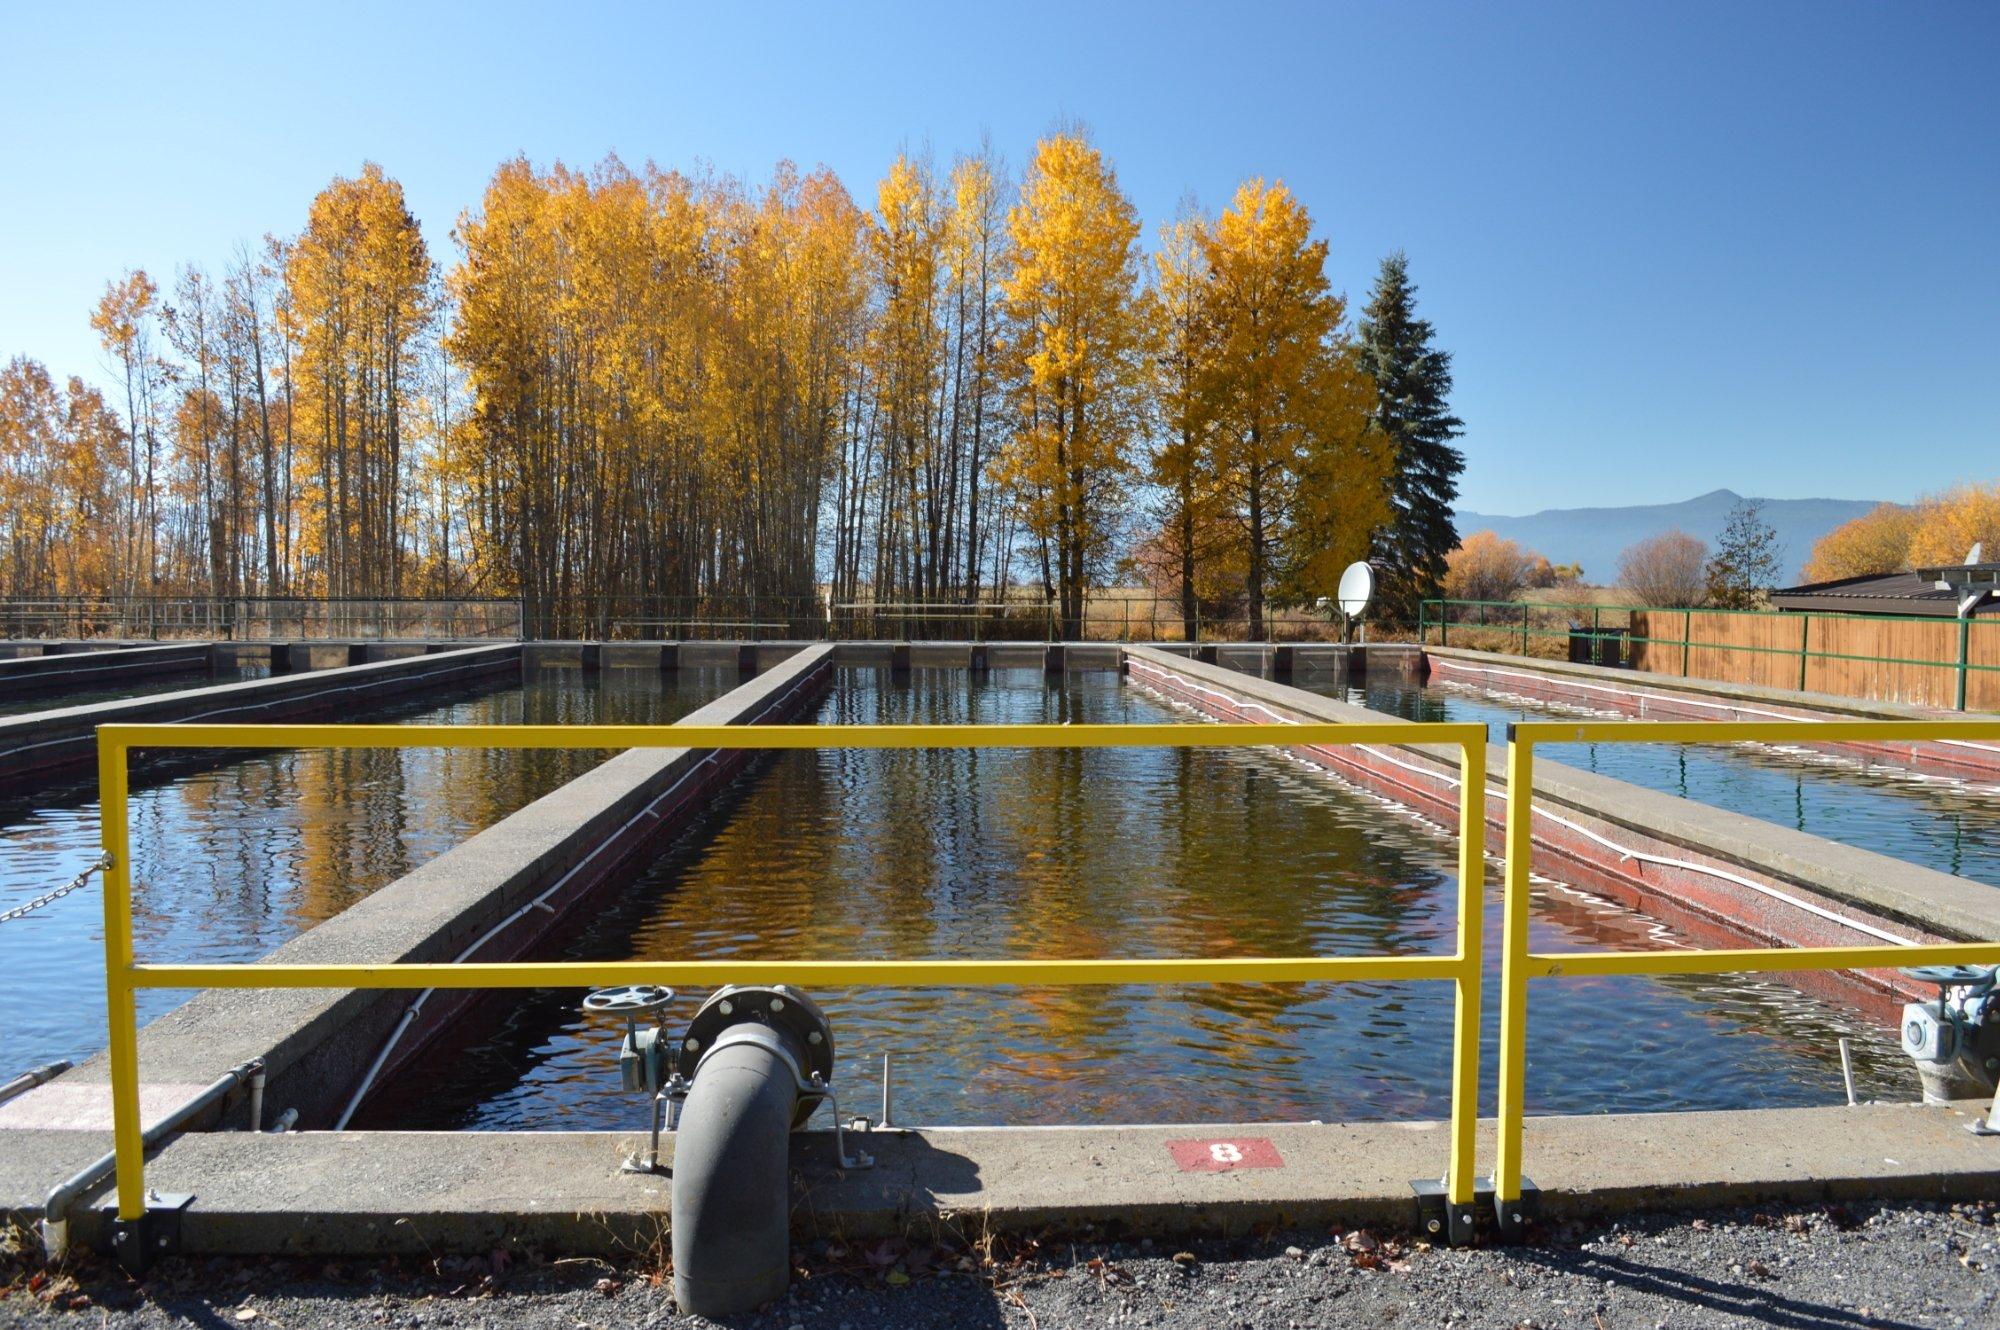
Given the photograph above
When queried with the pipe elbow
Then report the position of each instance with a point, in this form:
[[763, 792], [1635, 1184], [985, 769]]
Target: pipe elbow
[[731, 1209]]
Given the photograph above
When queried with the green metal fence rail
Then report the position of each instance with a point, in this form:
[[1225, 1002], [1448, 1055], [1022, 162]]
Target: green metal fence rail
[[1516, 619]]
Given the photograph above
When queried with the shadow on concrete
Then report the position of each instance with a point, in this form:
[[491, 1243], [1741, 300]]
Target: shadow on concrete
[[911, 1175]]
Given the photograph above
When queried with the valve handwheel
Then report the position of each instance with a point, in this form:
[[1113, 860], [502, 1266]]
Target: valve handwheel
[[1953, 976], [628, 999]]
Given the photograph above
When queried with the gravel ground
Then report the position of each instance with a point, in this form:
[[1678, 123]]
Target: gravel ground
[[1837, 1266]]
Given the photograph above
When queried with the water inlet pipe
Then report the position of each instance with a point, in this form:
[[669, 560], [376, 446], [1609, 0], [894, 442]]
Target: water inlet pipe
[[55, 1207], [757, 1062]]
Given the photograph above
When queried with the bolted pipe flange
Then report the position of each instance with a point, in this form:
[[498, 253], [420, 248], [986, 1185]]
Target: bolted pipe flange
[[784, 1009]]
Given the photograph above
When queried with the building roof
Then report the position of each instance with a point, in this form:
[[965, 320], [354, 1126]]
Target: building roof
[[1881, 593]]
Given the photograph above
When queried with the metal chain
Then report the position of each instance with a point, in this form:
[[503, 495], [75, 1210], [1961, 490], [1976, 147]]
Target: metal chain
[[29, 907]]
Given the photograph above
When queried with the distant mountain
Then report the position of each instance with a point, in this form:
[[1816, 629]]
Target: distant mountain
[[1595, 537]]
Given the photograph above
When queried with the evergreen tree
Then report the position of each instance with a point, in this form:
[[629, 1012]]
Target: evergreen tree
[[1412, 382], [1746, 559]]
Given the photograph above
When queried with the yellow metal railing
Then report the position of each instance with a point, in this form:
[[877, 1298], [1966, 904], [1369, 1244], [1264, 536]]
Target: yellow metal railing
[[1519, 965], [124, 976]]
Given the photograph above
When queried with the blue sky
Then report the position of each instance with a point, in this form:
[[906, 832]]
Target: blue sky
[[1673, 247]]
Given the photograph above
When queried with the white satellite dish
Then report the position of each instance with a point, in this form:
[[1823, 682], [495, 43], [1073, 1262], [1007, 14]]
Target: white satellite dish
[[1357, 588]]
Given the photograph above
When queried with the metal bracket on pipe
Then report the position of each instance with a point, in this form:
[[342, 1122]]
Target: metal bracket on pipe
[[156, 1233], [860, 1159], [668, 1103], [1990, 1124]]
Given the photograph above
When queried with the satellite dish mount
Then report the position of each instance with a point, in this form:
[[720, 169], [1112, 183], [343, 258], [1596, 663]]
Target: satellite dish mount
[[1357, 591]]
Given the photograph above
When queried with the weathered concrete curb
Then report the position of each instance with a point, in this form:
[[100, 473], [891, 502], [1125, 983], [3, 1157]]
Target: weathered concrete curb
[[423, 1192], [1655, 696], [1901, 898], [75, 671], [37, 746]]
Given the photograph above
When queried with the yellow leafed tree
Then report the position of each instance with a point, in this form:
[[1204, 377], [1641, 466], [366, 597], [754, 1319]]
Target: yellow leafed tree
[[1937, 529], [1181, 326], [1949, 524], [1876, 542], [1290, 404], [359, 296], [1077, 360]]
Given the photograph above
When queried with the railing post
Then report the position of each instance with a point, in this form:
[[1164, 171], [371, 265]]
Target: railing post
[[1964, 655], [127, 1130], [1805, 641], [1461, 1186], [1687, 639], [1507, 1180]]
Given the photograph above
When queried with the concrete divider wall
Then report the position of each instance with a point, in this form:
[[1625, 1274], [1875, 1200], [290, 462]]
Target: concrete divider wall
[[1653, 696], [34, 648], [46, 743], [1327, 663], [81, 670], [1578, 808]]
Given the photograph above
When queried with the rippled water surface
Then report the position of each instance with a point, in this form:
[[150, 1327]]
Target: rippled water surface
[[230, 861], [1109, 852], [1950, 825]]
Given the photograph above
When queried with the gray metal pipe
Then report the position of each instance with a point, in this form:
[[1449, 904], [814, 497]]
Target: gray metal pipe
[[731, 1212], [55, 1207], [34, 1076]]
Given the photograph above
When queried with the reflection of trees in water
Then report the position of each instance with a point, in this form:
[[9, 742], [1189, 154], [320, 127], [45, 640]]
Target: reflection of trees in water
[[293, 837], [236, 851], [1051, 853], [1107, 852]]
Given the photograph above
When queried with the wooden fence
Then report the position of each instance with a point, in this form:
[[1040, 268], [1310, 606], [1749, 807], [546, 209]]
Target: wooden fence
[[1934, 662], [1865, 656]]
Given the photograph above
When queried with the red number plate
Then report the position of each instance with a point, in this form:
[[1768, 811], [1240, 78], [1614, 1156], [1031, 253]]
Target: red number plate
[[1225, 1156]]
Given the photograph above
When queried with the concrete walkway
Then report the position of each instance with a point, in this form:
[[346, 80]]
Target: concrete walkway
[[359, 1192]]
